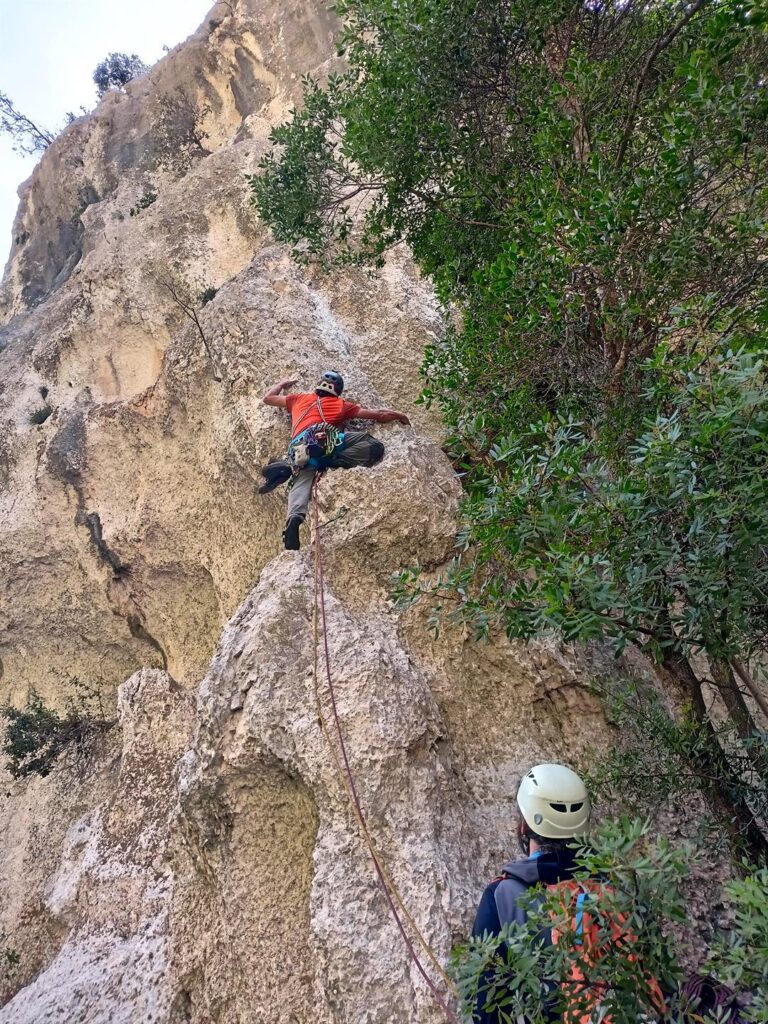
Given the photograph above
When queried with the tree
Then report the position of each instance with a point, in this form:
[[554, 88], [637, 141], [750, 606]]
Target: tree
[[586, 185], [26, 136], [117, 70]]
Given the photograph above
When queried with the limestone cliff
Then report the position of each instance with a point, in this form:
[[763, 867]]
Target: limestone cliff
[[200, 862]]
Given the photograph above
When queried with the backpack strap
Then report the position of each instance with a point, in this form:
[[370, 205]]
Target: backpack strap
[[580, 917], [585, 892]]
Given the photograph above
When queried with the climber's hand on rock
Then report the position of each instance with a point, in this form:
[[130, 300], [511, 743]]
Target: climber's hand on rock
[[288, 383], [400, 417]]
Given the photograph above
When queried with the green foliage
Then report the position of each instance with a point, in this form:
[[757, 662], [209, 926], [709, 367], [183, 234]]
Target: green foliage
[[661, 760], [207, 295], [586, 185], [634, 911], [740, 959], [9, 961], [660, 541], [116, 71], [36, 735], [489, 136], [40, 415], [148, 198]]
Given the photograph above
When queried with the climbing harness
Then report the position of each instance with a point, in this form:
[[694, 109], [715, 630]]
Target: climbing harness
[[397, 908], [316, 443]]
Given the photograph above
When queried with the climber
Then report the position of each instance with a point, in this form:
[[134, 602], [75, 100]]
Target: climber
[[554, 809], [318, 444]]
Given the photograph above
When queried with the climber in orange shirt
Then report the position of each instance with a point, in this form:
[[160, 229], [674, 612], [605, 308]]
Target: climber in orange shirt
[[318, 443]]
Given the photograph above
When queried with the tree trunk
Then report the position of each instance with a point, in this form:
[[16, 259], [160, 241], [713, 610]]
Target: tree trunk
[[723, 784], [732, 697], [743, 673]]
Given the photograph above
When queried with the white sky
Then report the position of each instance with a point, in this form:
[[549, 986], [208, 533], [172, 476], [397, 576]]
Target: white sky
[[48, 52]]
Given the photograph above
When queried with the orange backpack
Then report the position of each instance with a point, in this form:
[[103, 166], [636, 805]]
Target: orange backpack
[[584, 1000]]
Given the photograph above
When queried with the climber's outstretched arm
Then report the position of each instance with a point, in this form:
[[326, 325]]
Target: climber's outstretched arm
[[383, 416], [273, 397]]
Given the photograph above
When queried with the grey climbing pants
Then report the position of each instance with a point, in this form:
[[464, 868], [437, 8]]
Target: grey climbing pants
[[360, 449]]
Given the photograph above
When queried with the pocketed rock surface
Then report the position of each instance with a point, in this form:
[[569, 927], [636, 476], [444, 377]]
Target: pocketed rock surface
[[198, 861]]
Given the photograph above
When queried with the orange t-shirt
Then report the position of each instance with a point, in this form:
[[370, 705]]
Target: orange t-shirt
[[304, 411]]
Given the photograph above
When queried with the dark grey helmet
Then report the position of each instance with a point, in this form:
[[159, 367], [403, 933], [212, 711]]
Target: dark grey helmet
[[331, 383]]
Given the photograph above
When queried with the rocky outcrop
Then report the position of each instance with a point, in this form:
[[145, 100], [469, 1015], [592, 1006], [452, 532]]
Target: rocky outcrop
[[98, 885], [201, 863]]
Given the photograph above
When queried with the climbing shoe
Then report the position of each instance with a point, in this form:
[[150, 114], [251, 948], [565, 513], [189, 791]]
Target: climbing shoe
[[275, 473], [291, 533]]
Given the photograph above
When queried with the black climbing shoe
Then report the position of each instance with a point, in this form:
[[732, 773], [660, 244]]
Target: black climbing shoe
[[291, 533], [276, 473]]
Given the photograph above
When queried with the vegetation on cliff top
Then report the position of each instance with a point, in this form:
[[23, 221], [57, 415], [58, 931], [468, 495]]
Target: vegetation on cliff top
[[28, 137], [586, 185]]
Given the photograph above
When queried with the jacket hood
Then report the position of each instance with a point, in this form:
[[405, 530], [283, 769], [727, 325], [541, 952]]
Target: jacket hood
[[547, 868]]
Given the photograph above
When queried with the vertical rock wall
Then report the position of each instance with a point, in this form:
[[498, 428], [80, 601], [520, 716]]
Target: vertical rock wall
[[199, 862]]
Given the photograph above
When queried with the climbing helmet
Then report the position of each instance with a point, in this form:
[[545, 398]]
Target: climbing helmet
[[331, 383], [554, 801]]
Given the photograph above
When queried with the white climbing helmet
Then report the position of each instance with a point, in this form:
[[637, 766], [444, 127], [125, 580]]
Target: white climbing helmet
[[554, 801]]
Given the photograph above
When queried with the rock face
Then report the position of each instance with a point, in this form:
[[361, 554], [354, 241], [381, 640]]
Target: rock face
[[200, 861]]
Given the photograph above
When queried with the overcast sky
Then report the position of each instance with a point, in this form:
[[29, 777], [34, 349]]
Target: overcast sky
[[48, 51]]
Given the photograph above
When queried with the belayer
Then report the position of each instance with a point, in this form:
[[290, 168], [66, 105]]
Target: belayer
[[318, 443], [555, 811]]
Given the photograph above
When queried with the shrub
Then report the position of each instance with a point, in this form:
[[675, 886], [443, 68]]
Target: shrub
[[36, 735], [71, 116], [660, 758], [207, 294], [9, 961], [149, 197], [116, 70], [740, 958], [185, 295]]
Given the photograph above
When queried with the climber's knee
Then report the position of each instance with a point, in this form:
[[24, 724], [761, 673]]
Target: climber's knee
[[360, 450], [377, 452]]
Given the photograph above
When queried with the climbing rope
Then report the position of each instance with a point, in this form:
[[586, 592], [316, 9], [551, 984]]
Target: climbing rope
[[396, 906]]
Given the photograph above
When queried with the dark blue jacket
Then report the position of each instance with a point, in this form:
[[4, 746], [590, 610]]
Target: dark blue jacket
[[499, 905]]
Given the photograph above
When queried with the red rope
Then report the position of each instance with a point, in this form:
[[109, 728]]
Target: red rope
[[320, 586]]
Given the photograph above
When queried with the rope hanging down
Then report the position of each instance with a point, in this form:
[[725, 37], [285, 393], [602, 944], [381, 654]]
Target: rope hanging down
[[397, 908]]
